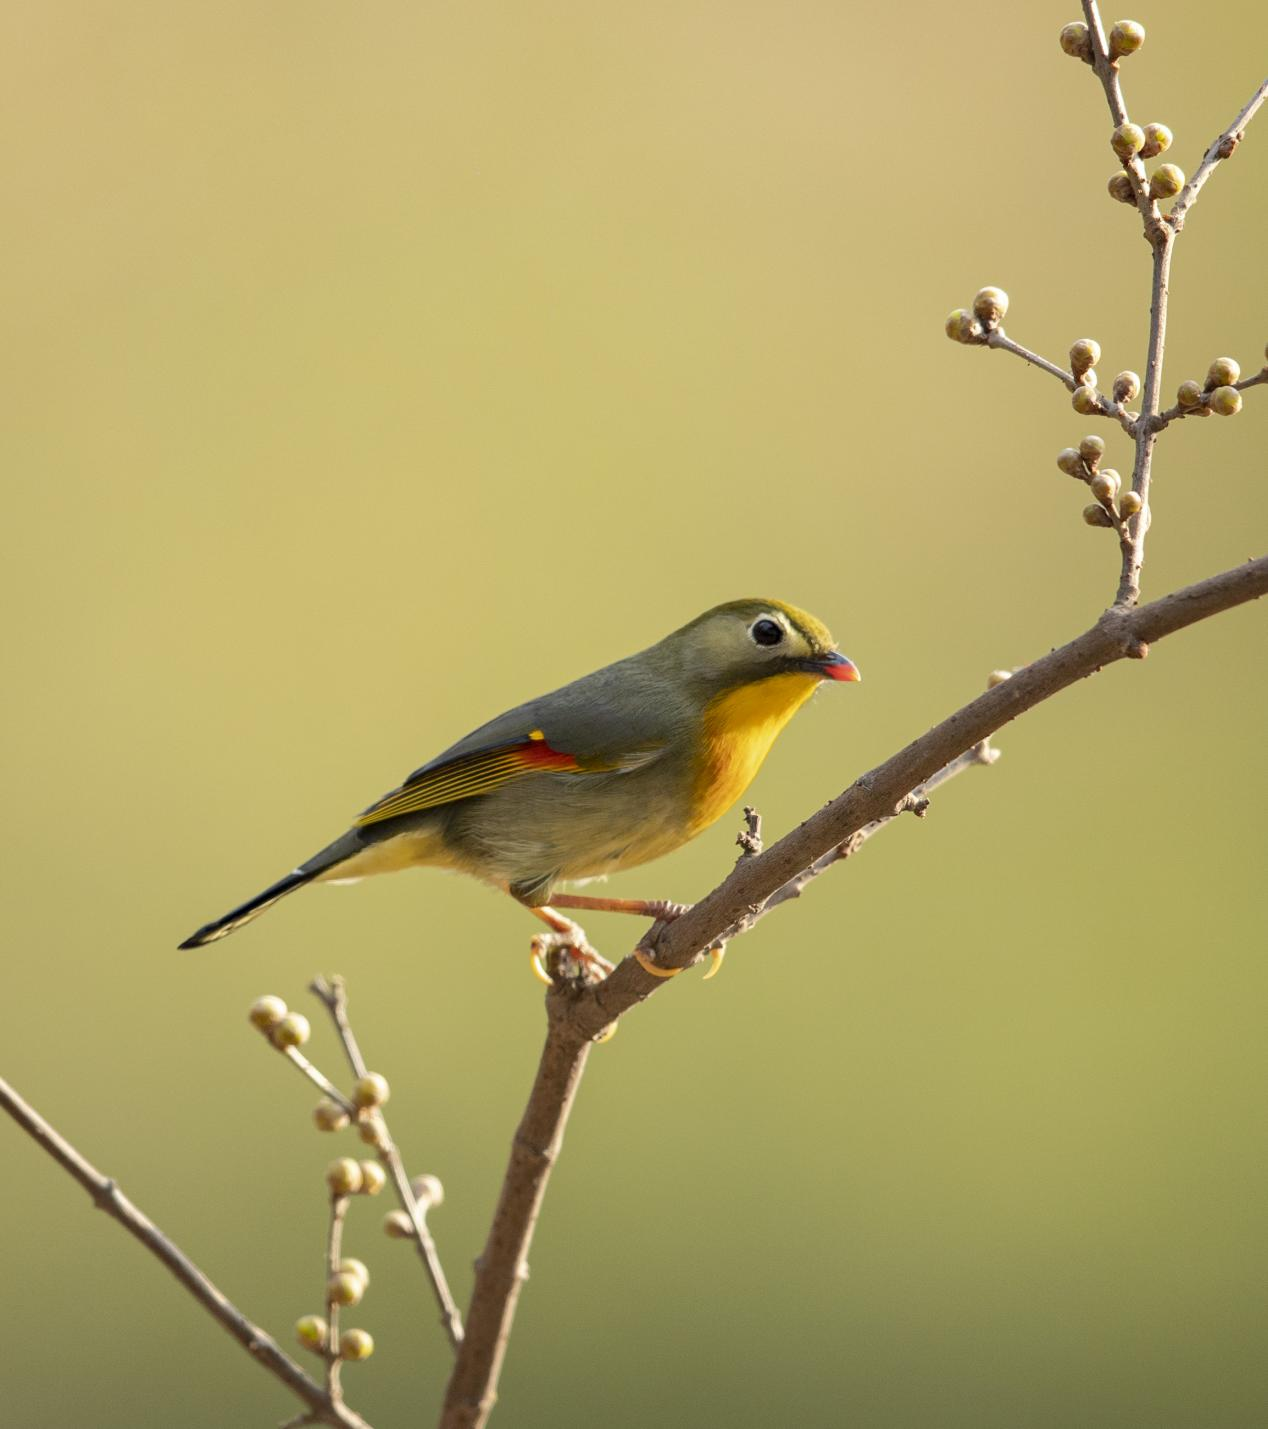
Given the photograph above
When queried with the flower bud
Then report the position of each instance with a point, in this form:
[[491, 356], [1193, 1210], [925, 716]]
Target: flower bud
[[998, 677], [1084, 354], [1120, 187], [990, 305], [355, 1267], [1157, 141], [1223, 372], [1225, 401], [1076, 41], [356, 1345], [398, 1226], [1126, 387], [292, 1031], [1091, 450], [371, 1090], [962, 326], [266, 1012], [1126, 38], [1085, 401], [373, 1178], [312, 1332], [1167, 181], [370, 1128], [329, 1116], [1105, 485], [1129, 503], [1126, 140], [1096, 515], [345, 1289], [343, 1176], [1189, 394], [1070, 462], [428, 1191]]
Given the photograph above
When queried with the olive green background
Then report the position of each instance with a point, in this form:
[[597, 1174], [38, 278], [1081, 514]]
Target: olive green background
[[371, 367]]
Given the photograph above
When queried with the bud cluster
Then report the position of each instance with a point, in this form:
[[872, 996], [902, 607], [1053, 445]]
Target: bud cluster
[[972, 326], [281, 1026], [1083, 462], [347, 1286], [1217, 394]]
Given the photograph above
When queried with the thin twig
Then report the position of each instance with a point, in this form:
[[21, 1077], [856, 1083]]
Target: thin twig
[[1223, 148], [334, 1254], [1000, 340], [333, 996], [107, 1197], [297, 1059], [1107, 72]]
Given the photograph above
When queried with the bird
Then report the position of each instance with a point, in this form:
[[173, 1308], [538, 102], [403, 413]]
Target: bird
[[615, 769]]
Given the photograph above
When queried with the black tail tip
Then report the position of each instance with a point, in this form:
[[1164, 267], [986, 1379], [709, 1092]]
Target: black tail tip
[[195, 940]]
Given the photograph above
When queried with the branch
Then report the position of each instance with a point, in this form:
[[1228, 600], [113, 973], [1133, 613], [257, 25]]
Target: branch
[[1223, 148], [503, 1268], [1118, 634], [107, 1197], [580, 1015], [334, 997]]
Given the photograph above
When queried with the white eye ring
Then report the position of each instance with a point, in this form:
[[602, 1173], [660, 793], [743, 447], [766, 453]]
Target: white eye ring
[[765, 623]]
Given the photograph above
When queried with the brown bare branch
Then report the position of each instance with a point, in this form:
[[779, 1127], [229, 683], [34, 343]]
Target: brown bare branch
[[107, 1197]]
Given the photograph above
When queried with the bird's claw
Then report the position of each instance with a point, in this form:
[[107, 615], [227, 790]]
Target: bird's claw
[[556, 949]]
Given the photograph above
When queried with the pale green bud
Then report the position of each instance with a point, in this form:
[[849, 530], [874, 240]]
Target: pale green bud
[[344, 1176], [1125, 38], [1167, 181], [356, 1345], [1091, 450], [329, 1116], [312, 1332], [1070, 462], [1225, 401], [1157, 141], [1128, 504], [371, 1090], [1126, 140], [1084, 354], [1076, 41], [1126, 387], [398, 1226], [373, 1178], [1096, 515], [1120, 187], [266, 1012], [990, 305], [1085, 401], [1189, 394], [1223, 372], [292, 1031], [345, 1289]]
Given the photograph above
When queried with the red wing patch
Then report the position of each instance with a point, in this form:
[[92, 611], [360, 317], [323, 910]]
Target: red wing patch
[[468, 776]]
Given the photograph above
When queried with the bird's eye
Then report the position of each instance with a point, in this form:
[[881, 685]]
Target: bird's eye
[[767, 632]]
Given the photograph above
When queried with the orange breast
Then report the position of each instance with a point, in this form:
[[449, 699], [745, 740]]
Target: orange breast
[[739, 728]]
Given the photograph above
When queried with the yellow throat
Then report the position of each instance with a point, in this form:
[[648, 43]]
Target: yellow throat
[[739, 728]]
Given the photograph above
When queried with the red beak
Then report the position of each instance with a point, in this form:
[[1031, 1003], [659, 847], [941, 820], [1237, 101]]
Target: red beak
[[837, 667]]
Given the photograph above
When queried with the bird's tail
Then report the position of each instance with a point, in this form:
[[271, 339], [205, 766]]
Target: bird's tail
[[252, 908], [316, 866]]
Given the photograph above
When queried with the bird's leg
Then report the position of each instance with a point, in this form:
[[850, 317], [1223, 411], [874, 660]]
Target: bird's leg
[[567, 936], [659, 909]]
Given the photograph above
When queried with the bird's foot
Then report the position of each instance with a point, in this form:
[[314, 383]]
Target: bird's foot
[[565, 951]]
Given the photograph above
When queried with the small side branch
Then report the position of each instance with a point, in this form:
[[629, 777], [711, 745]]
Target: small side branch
[[107, 1197], [333, 996], [1223, 148]]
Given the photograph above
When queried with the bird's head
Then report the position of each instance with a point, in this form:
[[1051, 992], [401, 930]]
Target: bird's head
[[745, 641]]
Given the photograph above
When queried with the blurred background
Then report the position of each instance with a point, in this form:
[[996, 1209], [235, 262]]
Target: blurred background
[[371, 368]]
